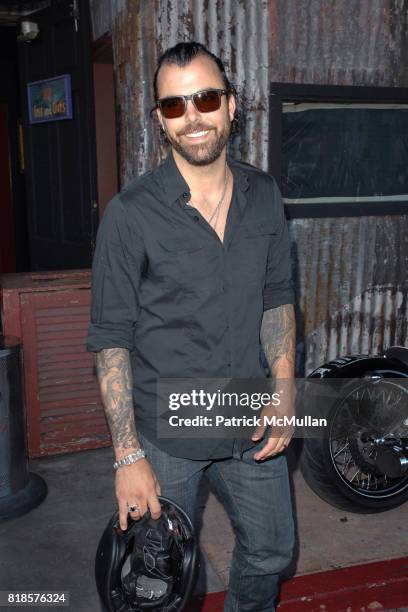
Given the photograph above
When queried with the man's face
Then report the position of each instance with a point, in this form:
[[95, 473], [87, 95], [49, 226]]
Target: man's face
[[198, 137]]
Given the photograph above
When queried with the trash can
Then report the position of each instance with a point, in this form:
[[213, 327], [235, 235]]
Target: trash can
[[20, 490]]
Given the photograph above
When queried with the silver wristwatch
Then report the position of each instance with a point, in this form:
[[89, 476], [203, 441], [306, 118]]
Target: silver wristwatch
[[129, 459]]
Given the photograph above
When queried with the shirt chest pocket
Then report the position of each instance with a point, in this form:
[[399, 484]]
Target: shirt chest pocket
[[251, 249], [177, 261]]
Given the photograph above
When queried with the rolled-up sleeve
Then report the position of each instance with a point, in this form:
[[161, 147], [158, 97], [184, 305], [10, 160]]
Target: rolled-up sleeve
[[279, 286], [116, 274]]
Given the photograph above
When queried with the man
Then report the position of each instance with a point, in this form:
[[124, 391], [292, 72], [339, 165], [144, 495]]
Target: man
[[190, 273]]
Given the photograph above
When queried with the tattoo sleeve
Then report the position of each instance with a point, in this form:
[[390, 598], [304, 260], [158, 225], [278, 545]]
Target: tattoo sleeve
[[115, 381], [278, 340]]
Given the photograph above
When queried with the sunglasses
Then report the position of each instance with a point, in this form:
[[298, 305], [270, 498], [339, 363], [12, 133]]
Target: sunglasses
[[206, 101]]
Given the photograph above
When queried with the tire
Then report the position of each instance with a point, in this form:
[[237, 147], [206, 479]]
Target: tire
[[321, 471]]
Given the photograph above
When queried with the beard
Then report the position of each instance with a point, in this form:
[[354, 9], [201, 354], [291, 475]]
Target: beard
[[204, 153]]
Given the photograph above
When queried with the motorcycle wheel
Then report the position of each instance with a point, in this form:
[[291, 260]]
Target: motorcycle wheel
[[340, 468]]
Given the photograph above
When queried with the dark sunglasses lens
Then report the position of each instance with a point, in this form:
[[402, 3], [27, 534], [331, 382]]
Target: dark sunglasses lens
[[172, 107], [207, 101]]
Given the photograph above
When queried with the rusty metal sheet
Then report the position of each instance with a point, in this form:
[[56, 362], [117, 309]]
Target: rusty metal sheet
[[236, 31], [134, 50], [102, 12], [352, 285], [315, 41], [342, 42]]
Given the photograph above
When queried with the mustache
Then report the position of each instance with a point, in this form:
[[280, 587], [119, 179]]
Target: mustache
[[197, 127]]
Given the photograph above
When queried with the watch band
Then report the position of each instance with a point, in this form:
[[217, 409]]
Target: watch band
[[129, 459]]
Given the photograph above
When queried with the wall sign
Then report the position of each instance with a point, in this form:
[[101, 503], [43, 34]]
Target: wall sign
[[50, 99]]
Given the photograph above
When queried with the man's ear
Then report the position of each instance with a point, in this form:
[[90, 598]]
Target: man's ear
[[160, 119], [231, 106]]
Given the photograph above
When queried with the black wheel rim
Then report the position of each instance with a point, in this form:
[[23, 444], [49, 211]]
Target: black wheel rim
[[370, 409]]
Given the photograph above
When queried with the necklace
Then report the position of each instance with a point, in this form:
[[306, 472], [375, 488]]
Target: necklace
[[216, 211]]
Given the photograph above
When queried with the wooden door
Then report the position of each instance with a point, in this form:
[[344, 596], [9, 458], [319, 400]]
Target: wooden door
[[60, 155]]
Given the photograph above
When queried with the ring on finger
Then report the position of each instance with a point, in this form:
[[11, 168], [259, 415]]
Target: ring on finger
[[134, 508]]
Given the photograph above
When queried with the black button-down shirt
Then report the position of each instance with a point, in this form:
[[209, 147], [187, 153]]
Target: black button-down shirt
[[184, 303]]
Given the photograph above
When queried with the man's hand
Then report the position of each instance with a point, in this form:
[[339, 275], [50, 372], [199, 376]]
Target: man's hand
[[281, 434], [137, 485]]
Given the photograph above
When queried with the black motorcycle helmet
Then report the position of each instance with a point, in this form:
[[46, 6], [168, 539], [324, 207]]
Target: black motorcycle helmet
[[152, 566]]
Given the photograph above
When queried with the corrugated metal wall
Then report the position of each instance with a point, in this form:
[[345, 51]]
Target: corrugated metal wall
[[142, 29], [237, 31], [351, 279], [341, 42], [351, 273], [134, 48], [102, 17]]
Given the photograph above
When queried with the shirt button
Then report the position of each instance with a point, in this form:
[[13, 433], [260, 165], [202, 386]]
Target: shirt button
[[196, 218], [186, 195]]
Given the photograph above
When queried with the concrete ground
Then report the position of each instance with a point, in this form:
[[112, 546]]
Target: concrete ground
[[53, 546]]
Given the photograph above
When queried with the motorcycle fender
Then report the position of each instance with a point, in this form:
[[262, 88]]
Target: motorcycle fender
[[357, 366]]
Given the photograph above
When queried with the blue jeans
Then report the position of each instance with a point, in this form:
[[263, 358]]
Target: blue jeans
[[257, 499]]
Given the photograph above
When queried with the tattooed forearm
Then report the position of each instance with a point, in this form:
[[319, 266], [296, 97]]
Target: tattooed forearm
[[278, 340], [115, 381]]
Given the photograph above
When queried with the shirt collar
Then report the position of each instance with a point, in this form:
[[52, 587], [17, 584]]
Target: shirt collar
[[171, 180], [174, 186], [241, 177]]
